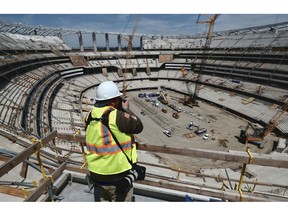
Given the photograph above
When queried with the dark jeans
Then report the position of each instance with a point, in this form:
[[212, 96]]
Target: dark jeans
[[107, 193]]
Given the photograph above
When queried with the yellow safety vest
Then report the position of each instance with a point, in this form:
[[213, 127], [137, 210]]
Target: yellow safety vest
[[103, 155]]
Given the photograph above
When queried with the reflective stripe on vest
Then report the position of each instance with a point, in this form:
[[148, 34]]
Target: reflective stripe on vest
[[103, 155], [108, 149]]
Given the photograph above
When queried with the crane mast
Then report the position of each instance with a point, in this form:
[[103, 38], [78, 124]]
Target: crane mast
[[128, 55], [211, 22]]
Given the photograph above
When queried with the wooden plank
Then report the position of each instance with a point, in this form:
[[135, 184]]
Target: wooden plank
[[190, 173], [13, 191], [194, 188], [13, 162], [4, 158], [24, 169], [247, 101], [231, 195], [43, 186], [239, 157]]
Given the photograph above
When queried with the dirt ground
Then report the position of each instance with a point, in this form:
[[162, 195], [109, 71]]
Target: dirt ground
[[222, 126]]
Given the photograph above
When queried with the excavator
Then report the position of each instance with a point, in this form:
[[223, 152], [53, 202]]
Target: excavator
[[254, 138], [257, 137]]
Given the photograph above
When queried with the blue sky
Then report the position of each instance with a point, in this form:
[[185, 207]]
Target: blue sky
[[160, 17], [168, 17], [167, 24]]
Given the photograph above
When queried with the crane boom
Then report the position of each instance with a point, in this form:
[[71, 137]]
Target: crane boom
[[128, 55], [258, 136], [211, 22], [272, 124]]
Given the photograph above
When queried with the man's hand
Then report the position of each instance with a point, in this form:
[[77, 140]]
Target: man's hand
[[125, 105]]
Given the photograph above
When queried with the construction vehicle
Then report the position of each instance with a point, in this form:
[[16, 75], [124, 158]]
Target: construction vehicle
[[167, 133], [162, 98], [201, 131], [175, 115], [191, 125], [164, 110], [257, 137], [254, 137], [188, 101], [174, 107]]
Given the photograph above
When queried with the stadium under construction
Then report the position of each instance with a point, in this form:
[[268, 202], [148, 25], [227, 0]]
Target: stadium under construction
[[214, 109]]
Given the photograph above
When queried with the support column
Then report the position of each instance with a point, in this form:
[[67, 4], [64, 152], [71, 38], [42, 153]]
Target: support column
[[94, 42], [141, 43], [59, 35], [81, 42], [119, 42], [107, 41]]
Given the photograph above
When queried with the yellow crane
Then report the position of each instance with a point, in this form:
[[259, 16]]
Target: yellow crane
[[272, 124], [211, 22], [128, 55], [258, 136]]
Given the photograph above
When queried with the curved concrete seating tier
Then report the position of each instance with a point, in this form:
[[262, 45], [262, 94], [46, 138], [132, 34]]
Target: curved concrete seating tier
[[259, 61], [10, 41]]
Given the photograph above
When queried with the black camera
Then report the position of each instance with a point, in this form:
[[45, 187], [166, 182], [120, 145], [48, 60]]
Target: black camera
[[137, 173], [141, 171]]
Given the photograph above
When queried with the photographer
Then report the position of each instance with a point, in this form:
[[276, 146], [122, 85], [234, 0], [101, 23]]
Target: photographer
[[111, 148]]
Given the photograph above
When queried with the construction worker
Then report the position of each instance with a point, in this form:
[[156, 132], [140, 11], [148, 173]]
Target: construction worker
[[111, 165]]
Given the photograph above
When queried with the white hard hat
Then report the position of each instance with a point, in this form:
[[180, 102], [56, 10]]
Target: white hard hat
[[107, 90]]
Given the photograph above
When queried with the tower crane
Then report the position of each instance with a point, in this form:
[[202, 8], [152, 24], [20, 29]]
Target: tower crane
[[188, 100], [211, 23], [128, 55]]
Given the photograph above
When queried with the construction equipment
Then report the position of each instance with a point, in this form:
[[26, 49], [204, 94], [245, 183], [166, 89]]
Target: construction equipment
[[128, 55], [174, 107], [272, 124], [211, 22], [175, 115], [162, 98], [167, 133], [254, 137], [164, 110], [191, 125], [259, 133], [188, 100]]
